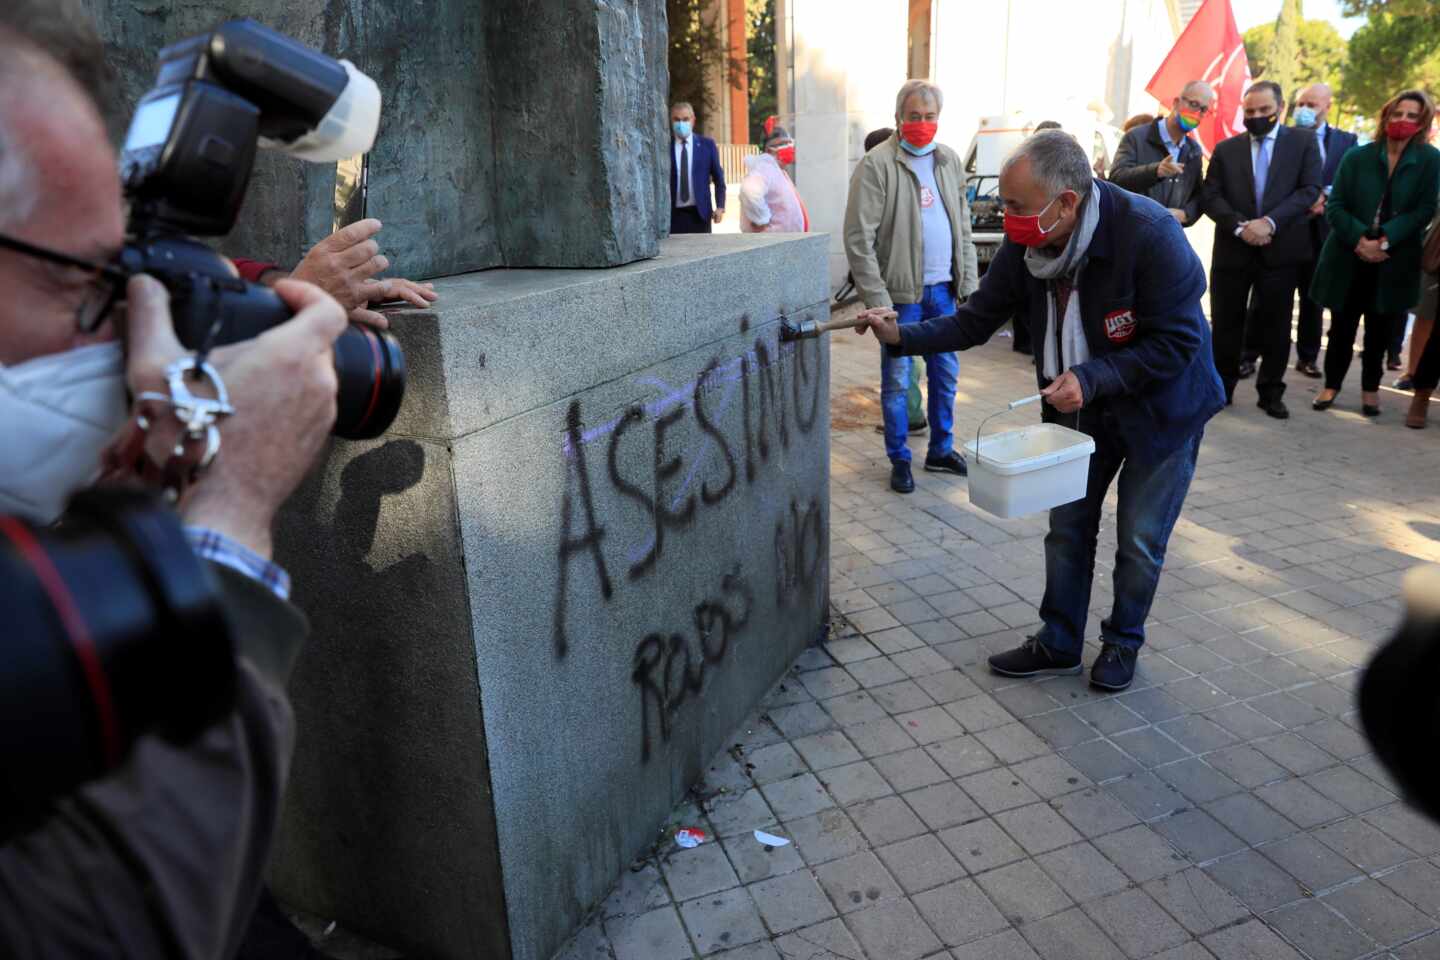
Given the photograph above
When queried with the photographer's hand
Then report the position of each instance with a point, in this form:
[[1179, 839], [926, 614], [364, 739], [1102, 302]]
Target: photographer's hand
[[344, 265], [282, 386]]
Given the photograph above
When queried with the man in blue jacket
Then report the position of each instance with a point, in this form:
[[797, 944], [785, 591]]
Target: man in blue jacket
[[1111, 291], [694, 166]]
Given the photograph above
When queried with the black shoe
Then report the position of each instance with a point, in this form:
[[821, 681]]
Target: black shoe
[[952, 462], [1276, 408], [920, 427], [1404, 383], [1033, 659], [1246, 370], [1114, 669], [1309, 368], [1370, 410], [1319, 404], [901, 479]]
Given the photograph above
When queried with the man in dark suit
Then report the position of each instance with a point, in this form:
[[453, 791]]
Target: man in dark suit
[[1162, 161], [694, 166], [1259, 190]]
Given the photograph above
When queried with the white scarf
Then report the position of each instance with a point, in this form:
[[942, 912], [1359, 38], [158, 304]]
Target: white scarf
[[1073, 347]]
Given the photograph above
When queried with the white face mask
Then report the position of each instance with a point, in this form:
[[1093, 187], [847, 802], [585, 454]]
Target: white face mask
[[57, 414]]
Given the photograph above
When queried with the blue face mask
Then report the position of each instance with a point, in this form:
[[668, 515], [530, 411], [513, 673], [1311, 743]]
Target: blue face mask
[[915, 151], [681, 128], [1305, 117]]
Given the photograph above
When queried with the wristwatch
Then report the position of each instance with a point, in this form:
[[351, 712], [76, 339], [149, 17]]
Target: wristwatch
[[1384, 245]]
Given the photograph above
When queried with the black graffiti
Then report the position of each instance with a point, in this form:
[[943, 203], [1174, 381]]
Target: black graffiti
[[708, 496], [669, 670], [799, 550], [569, 544]]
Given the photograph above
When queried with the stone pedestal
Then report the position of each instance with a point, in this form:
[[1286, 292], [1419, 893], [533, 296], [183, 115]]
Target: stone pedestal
[[544, 601]]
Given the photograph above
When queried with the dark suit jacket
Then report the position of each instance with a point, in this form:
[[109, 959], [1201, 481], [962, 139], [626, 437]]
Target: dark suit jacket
[[1140, 293], [1291, 187], [1337, 142], [1138, 156], [705, 169]]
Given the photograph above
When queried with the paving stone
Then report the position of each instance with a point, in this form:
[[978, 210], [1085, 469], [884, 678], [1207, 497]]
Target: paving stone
[[1197, 780], [1347, 787], [1060, 729], [1319, 932], [930, 725], [1140, 853], [909, 769], [893, 930], [1186, 951], [1405, 825], [1100, 760], [1300, 803], [1023, 892], [1070, 936], [797, 797], [875, 674], [1094, 812], [1082, 872], [1012, 743], [855, 881], [905, 696], [698, 871], [656, 935], [1378, 912], [1027, 699], [1336, 738], [589, 943], [920, 863], [824, 750], [1050, 776], [1197, 733], [1136, 923], [960, 912], [1246, 766], [825, 836], [1245, 723], [752, 861], [1149, 746], [764, 950], [1426, 948], [1196, 901], [899, 639], [823, 941], [1251, 940], [828, 682], [638, 891], [853, 649], [877, 737], [1110, 716], [1197, 835], [1249, 819], [731, 814], [997, 789], [1419, 883], [1255, 881], [791, 901], [961, 756], [886, 820], [921, 662], [1315, 865], [1154, 705], [979, 713], [1008, 945], [779, 761], [722, 921], [947, 686], [981, 845], [854, 708], [1363, 845], [943, 805]]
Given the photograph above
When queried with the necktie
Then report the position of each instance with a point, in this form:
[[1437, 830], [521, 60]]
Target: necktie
[[1262, 170], [684, 171]]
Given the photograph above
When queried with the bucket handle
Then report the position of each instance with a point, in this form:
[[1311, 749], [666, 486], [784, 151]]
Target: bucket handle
[[1013, 404]]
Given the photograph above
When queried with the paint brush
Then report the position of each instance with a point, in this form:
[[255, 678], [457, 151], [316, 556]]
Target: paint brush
[[809, 329]]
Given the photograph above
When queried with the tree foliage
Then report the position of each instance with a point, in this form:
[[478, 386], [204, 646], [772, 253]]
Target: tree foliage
[[1321, 56], [1391, 53], [760, 44], [698, 48], [1283, 58]]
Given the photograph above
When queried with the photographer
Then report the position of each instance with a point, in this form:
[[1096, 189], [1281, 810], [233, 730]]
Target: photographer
[[164, 857]]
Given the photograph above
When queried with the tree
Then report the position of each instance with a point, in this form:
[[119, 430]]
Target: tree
[[1321, 58], [1391, 53], [760, 44], [1283, 57], [697, 47]]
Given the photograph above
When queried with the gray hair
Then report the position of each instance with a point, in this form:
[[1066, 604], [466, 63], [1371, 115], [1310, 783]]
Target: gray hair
[[681, 105], [925, 87], [18, 193], [1057, 160]]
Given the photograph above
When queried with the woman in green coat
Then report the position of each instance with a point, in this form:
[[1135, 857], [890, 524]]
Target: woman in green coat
[[1384, 196]]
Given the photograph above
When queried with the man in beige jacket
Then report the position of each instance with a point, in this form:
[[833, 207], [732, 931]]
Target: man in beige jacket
[[907, 237]]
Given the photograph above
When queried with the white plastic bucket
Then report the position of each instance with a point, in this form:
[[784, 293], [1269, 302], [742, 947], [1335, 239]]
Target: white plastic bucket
[[1024, 471]]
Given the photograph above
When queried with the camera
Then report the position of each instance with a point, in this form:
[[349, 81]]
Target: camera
[[113, 630], [186, 162]]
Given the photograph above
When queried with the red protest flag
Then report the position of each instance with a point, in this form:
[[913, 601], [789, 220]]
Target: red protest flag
[[1211, 49]]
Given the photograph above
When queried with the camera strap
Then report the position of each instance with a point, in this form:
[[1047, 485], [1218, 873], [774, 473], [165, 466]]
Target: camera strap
[[198, 442]]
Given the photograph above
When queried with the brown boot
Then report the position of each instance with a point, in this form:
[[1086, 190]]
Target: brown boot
[[1419, 407]]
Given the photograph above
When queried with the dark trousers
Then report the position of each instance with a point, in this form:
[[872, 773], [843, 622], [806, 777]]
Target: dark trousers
[[1427, 371], [1274, 289], [1379, 328], [688, 220], [1307, 332]]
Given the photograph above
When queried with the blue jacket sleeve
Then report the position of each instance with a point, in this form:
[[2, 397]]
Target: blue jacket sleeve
[[1169, 283], [1001, 295], [717, 176]]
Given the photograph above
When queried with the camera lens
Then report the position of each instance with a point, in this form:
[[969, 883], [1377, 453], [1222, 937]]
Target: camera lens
[[371, 369]]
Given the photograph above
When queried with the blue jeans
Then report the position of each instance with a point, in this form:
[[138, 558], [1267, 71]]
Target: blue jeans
[[1151, 495], [941, 370]]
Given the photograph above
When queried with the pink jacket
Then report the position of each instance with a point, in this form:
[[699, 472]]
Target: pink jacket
[[768, 200]]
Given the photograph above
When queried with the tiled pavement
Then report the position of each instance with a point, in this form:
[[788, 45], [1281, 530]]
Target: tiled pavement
[[1224, 807]]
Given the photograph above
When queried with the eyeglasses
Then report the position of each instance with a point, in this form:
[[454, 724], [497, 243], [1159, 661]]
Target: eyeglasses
[[105, 288], [1198, 107]]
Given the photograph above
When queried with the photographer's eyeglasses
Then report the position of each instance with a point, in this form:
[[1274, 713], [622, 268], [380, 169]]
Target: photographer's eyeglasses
[[105, 288], [1200, 108]]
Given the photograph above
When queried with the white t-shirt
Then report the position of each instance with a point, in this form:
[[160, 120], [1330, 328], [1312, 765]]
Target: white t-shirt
[[936, 238]]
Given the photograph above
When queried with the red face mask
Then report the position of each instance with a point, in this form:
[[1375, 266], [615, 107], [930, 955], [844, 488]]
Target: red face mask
[[1026, 230], [1401, 129], [918, 133], [785, 156]]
